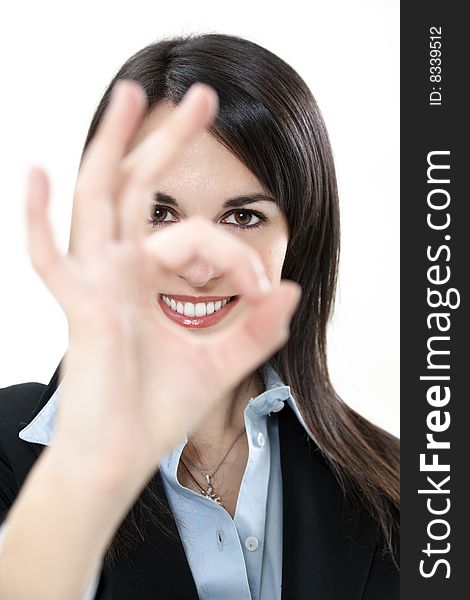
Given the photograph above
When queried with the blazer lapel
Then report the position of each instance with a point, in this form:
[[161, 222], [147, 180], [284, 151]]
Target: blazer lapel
[[44, 397], [157, 566], [327, 549]]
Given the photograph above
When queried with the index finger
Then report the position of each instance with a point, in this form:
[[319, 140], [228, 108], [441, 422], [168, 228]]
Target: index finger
[[93, 213]]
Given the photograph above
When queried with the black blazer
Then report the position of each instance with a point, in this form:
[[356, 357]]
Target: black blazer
[[328, 554]]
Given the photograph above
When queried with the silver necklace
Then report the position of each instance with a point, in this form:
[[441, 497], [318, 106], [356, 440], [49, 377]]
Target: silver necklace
[[209, 492]]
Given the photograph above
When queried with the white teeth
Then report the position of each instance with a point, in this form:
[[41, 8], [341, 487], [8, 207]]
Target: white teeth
[[200, 309], [189, 309]]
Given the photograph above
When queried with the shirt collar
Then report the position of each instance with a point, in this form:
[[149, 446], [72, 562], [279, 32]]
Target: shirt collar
[[275, 393], [41, 429]]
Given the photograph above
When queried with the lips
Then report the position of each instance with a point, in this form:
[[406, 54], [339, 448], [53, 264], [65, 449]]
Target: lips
[[196, 299], [196, 306]]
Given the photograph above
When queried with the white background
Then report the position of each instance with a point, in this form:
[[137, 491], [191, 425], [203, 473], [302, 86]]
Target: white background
[[58, 57]]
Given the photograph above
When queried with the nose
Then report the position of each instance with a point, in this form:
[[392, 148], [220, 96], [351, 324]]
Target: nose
[[199, 273]]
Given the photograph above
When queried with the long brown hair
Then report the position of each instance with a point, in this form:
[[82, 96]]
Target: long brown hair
[[269, 119]]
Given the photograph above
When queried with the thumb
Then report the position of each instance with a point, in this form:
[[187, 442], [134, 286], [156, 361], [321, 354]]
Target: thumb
[[257, 334], [291, 294]]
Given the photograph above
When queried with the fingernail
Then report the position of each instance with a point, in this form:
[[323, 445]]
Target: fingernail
[[116, 88], [192, 91], [30, 175], [291, 302], [296, 300], [264, 283]]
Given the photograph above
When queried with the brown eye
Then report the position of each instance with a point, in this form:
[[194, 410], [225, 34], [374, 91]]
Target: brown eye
[[159, 214], [242, 217]]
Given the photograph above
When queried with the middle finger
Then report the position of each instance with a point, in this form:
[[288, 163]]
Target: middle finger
[[155, 155]]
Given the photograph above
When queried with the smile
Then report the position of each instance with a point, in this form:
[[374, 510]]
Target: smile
[[196, 312]]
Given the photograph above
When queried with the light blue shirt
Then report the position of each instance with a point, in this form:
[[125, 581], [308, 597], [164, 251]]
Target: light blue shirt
[[234, 559]]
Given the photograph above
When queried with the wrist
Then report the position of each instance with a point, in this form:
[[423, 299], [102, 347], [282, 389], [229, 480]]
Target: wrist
[[106, 485]]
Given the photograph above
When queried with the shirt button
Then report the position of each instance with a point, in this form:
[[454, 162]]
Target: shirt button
[[251, 543], [278, 406], [259, 440]]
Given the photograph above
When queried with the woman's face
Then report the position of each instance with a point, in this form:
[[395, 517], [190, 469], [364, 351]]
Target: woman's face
[[207, 176]]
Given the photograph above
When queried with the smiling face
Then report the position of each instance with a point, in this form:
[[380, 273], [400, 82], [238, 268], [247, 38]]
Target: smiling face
[[210, 181]]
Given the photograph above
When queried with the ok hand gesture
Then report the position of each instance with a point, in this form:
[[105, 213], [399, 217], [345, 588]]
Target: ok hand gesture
[[134, 381]]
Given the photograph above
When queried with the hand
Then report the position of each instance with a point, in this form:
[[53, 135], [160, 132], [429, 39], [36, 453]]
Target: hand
[[135, 382]]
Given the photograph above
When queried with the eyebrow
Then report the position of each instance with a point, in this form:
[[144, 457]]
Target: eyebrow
[[234, 202]]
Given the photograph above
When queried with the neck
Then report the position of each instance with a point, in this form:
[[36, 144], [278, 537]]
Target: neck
[[225, 422]]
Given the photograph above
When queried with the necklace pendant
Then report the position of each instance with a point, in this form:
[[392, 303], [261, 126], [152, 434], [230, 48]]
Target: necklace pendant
[[210, 491], [212, 496]]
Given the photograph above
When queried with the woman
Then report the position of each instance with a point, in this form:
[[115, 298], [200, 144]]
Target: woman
[[199, 449]]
